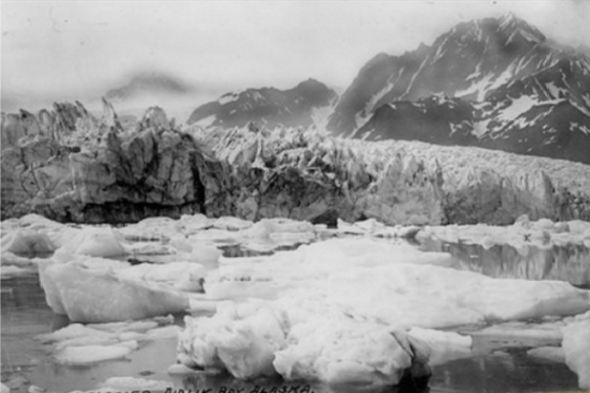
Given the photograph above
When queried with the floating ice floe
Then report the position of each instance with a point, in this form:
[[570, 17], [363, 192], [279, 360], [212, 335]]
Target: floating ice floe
[[333, 308], [90, 354], [11, 271], [86, 295], [27, 241], [576, 346], [554, 354], [185, 276], [441, 347], [523, 233], [124, 384], [78, 344], [8, 258], [375, 228], [253, 340]]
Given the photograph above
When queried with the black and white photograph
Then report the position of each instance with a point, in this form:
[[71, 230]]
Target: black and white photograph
[[296, 196]]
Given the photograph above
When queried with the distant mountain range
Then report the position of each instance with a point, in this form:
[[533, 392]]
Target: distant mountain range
[[497, 83], [301, 106]]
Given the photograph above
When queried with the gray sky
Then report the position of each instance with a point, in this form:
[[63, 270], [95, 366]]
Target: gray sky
[[70, 49]]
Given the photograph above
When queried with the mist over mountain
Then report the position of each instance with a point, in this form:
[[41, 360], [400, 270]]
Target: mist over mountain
[[149, 83]]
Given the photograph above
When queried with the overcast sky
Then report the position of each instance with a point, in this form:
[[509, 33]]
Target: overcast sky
[[70, 48]]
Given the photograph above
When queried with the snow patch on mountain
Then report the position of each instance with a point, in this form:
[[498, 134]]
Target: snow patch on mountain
[[519, 106], [227, 98], [207, 121]]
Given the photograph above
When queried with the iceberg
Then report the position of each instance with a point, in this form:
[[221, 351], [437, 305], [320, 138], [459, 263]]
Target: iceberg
[[28, 242], [241, 339], [85, 295], [103, 242], [360, 309], [576, 346], [89, 354], [256, 339], [441, 347]]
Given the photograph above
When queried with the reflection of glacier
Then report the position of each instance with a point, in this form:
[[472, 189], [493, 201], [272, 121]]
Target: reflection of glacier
[[569, 263]]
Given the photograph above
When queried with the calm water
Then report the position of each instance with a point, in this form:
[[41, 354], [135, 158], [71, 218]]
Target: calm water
[[25, 314], [569, 263]]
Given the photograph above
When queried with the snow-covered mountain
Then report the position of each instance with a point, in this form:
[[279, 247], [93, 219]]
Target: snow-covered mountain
[[309, 103], [494, 83]]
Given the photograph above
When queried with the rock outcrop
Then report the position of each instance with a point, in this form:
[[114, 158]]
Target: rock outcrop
[[71, 166]]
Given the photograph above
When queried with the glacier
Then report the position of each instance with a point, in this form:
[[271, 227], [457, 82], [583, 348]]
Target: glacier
[[92, 170]]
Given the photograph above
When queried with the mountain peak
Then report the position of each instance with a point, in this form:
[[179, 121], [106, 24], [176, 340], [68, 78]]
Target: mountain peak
[[511, 25]]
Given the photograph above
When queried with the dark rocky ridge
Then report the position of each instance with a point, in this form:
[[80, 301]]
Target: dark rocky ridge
[[266, 107]]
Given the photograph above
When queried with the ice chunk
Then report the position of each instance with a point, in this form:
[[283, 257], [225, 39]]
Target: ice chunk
[[27, 241], [442, 346], [254, 339], [88, 296], [342, 351], [103, 242], [204, 254], [554, 354], [125, 384], [183, 275], [231, 223], [88, 354], [8, 271], [241, 339], [73, 331], [8, 258], [576, 345]]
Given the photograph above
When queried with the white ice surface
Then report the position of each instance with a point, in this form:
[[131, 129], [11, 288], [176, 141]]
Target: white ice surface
[[326, 293], [554, 354], [89, 354], [576, 345], [87, 295], [27, 241], [442, 346], [128, 384]]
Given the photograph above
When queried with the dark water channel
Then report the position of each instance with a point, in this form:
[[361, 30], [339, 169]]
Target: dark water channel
[[26, 361]]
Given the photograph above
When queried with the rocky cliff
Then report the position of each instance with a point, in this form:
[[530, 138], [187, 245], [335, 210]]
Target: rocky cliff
[[72, 166]]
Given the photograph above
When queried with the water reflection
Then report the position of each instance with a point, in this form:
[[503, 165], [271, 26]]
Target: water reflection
[[569, 263], [500, 373], [224, 382]]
